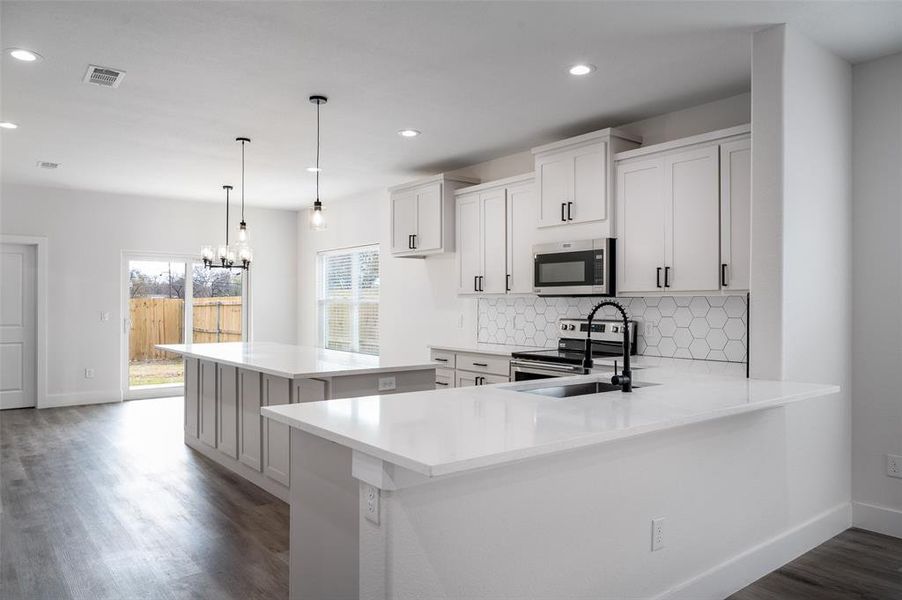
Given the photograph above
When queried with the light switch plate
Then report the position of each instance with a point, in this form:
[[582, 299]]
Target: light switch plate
[[387, 384], [894, 465]]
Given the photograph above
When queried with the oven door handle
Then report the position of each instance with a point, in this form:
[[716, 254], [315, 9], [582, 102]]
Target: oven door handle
[[534, 364]]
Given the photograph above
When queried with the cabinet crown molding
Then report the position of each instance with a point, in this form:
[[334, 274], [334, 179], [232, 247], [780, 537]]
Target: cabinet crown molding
[[587, 138], [440, 178], [498, 183], [702, 138]]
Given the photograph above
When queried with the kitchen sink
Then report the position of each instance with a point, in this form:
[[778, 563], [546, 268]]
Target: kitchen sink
[[577, 389]]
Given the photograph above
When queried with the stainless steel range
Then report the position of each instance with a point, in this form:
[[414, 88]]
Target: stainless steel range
[[567, 359]]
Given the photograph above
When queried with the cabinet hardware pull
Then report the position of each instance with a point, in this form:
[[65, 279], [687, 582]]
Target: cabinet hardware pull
[[569, 211], [563, 205], [723, 275], [414, 236], [507, 282], [475, 283], [410, 241], [481, 278], [440, 359], [476, 364], [666, 277], [440, 383], [658, 277]]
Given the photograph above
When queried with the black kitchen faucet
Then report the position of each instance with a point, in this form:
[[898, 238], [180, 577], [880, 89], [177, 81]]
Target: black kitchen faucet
[[624, 380]]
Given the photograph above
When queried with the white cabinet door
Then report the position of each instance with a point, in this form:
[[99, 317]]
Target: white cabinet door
[[192, 397], [521, 223], [276, 439], [641, 224], [404, 221], [464, 379], [227, 410], [429, 218], [589, 195], [735, 214], [207, 378], [250, 432], [554, 178], [691, 185], [493, 237], [468, 244]]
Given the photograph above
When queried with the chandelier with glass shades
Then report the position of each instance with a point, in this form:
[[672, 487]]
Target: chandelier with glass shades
[[239, 254]]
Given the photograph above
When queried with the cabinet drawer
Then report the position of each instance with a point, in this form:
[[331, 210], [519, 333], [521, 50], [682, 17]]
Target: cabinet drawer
[[444, 357], [482, 363], [444, 378]]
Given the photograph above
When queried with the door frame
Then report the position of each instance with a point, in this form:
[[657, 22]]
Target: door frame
[[190, 260], [41, 262]]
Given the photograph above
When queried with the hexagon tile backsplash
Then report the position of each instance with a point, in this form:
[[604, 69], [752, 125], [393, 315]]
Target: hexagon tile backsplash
[[701, 327]]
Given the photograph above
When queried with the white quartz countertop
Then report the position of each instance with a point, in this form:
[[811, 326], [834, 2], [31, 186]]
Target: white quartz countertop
[[454, 430], [285, 360], [480, 348]]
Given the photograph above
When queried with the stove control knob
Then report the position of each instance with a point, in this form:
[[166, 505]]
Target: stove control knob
[[563, 327], [571, 327]]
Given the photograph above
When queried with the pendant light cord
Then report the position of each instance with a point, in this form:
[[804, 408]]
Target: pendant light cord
[[227, 217], [317, 151], [242, 181]]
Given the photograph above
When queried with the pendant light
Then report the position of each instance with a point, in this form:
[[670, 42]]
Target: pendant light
[[242, 227], [317, 219], [224, 253]]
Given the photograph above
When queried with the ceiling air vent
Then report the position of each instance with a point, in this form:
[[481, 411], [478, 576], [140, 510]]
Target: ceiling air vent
[[45, 164], [104, 76]]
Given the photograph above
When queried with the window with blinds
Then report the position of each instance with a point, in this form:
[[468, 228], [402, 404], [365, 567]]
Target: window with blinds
[[349, 299]]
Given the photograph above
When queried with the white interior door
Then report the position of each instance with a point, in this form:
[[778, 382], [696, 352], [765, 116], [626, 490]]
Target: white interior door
[[18, 295]]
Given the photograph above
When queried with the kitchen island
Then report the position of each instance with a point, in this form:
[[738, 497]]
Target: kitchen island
[[510, 491], [227, 384]]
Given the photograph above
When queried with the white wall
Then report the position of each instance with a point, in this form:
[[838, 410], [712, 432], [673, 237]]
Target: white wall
[[877, 285], [87, 233], [419, 305], [801, 267]]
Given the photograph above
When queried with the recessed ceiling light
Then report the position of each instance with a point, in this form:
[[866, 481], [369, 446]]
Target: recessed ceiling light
[[8, 125], [314, 169], [408, 133], [23, 54], [581, 69]]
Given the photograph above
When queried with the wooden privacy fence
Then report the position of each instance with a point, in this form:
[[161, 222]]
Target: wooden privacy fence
[[162, 321]]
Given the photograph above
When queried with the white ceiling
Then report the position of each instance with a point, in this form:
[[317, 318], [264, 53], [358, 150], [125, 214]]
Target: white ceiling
[[480, 80]]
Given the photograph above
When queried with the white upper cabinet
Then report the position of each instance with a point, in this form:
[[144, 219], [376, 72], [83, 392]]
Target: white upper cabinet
[[422, 216], [640, 211], [683, 215], [735, 214], [495, 226], [573, 177], [692, 211]]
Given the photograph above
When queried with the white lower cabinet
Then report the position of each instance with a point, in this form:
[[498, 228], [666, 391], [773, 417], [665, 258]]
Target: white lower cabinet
[[207, 422], [276, 449], [227, 410], [250, 422], [468, 368], [683, 215], [495, 233], [192, 398]]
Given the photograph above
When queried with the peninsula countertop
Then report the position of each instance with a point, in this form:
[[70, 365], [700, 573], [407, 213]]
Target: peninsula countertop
[[286, 360], [454, 430]]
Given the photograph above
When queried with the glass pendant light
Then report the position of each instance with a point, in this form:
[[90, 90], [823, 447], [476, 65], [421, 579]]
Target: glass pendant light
[[317, 218]]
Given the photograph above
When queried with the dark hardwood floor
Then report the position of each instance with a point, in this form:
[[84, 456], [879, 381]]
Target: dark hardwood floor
[[107, 502], [856, 564]]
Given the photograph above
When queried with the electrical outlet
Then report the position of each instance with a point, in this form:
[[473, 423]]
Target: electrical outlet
[[657, 534], [372, 505], [89, 373], [894, 465], [387, 384], [650, 327]]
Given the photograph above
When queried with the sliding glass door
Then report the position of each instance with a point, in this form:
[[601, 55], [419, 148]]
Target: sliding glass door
[[174, 300]]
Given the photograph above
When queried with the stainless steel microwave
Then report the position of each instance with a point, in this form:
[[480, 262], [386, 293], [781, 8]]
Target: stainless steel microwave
[[583, 268]]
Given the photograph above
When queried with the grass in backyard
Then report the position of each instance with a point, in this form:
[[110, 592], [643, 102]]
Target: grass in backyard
[[156, 372]]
